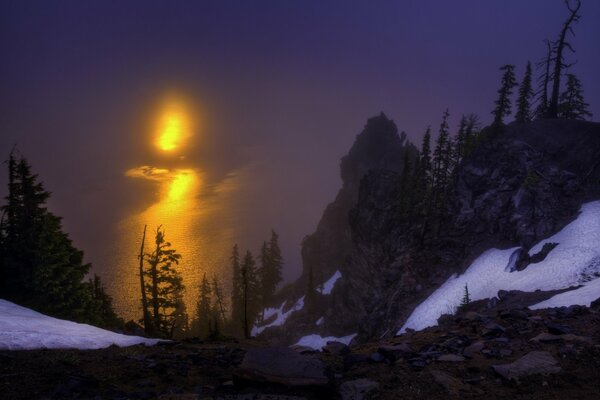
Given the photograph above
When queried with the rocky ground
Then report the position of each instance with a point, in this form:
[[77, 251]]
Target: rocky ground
[[486, 351]]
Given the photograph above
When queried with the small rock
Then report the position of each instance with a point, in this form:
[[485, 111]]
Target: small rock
[[376, 358], [473, 316], [533, 363], [336, 348], [473, 349], [358, 389], [417, 363], [451, 358], [546, 338], [556, 329], [493, 329], [395, 352]]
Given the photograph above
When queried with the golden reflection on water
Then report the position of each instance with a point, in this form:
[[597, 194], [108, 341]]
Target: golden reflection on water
[[197, 221], [196, 226]]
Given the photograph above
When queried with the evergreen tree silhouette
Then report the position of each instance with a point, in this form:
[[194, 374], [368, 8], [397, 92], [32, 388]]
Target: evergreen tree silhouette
[[164, 287], [39, 266], [503, 103], [572, 105], [525, 95]]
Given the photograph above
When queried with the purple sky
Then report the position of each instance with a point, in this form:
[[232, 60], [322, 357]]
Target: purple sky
[[285, 83]]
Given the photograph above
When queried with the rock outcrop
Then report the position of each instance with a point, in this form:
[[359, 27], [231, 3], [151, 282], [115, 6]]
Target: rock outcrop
[[518, 186]]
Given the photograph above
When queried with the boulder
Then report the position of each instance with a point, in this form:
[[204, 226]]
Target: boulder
[[336, 348], [281, 365], [533, 363]]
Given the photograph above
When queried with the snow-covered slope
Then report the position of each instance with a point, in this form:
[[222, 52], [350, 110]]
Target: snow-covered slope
[[574, 261], [280, 318], [25, 329]]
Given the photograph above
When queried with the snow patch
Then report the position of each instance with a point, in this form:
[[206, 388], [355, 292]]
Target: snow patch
[[582, 296], [570, 263], [24, 329], [328, 286], [317, 342], [320, 321], [281, 316]]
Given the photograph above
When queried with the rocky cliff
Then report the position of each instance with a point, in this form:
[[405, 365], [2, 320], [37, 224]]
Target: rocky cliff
[[518, 186]]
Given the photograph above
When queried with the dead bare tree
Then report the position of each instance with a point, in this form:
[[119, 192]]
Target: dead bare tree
[[559, 47], [147, 320]]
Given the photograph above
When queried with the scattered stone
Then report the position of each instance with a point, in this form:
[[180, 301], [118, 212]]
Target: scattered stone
[[547, 338], [473, 316], [417, 363], [396, 351], [533, 363], [492, 329], [336, 348], [451, 358], [358, 389], [473, 349], [376, 358], [281, 365]]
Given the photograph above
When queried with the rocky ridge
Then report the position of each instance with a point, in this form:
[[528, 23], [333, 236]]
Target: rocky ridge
[[517, 187]]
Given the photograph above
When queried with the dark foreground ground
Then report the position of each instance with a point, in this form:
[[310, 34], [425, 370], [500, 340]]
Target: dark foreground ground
[[503, 353]]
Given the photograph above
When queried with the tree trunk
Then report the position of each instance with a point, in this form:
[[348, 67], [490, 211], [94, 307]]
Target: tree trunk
[[147, 322], [558, 62]]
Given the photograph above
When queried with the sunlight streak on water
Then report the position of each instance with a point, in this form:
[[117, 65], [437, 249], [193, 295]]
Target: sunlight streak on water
[[196, 225]]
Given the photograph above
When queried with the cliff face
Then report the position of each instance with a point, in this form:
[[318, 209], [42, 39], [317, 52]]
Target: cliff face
[[517, 187], [378, 147]]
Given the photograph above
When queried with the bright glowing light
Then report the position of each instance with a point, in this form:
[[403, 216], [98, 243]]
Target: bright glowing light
[[173, 128], [181, 185]]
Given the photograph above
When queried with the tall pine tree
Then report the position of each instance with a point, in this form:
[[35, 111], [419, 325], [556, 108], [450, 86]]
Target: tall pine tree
[[39, 266], [572, 105], [525, 96], [269, 271], [164, 288], [201, 325], [503, 103], [250, 292], [237, 306]]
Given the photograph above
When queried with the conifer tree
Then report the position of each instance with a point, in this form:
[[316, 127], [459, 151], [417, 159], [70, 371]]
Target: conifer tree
[[237, 306], [406, 190], [503, 104], [269, 270], [164, 287], [541, 110], [219, 300], [102, 313], [441, 156], [250, 292], [425, 162], [466, 297], [202, 322], [525, 95], [572, 105], [41, 269]]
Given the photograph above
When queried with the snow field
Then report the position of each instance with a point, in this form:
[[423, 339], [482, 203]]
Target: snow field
[[573, 262], [25, 329]]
